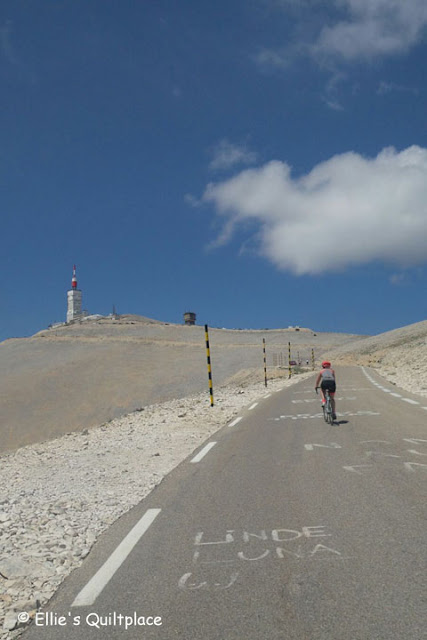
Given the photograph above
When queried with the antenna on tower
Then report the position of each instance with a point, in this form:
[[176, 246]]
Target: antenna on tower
[[74, 300]]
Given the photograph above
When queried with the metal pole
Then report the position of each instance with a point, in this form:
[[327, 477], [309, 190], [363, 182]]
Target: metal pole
[[208, 356], [289, 359], [312, 358], [265, 362]]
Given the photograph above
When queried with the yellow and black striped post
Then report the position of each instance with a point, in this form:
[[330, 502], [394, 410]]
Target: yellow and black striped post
[[265, 362], [289, 359], [312, 358], [208, 355]]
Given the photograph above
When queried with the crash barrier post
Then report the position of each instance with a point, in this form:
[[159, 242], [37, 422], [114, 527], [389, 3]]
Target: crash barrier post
[[289, 359], [265, 362], [312, 358], [208, 356]]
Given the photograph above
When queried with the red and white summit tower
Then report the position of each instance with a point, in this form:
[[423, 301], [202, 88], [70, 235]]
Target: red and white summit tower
[[74, 299]]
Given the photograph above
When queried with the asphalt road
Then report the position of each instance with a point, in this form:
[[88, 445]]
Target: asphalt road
[[287, 528]]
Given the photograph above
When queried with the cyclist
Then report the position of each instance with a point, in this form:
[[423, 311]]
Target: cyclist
[[327, 380]]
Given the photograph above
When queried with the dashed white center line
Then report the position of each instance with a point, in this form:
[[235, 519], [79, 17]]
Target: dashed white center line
[[232, 424], [396, 395], [255, 404], [91, 591], [410, 401], [203, 452]]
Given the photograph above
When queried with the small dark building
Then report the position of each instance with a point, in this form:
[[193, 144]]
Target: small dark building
[[189, 318]]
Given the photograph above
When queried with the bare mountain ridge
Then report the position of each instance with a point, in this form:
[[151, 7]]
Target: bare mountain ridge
[[399, 355], [72, 377], [407, 335]]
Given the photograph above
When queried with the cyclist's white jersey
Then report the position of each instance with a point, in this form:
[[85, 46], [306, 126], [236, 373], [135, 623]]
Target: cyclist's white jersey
[[327, 374]]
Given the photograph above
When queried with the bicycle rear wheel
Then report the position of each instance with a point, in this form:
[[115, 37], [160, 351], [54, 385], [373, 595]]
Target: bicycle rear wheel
[[330, 413], [325, 407]]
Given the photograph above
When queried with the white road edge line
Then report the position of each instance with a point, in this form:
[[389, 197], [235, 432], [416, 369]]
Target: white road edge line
[[96, 584], [233, 424], [203, 452], [255, 404], [396, 395]]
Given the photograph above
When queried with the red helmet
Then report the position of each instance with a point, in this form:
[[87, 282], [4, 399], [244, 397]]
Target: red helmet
[[326, 364]]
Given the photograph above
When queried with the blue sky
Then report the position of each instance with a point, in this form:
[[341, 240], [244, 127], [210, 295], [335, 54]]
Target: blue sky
[[260, 162]]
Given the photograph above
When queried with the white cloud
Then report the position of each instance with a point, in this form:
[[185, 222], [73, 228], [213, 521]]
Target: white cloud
[[352, 31], [227, 155], [397, 278], [333, 104], [374, 28], [269, 58], [192, 200], [387, 87], [349, 210]]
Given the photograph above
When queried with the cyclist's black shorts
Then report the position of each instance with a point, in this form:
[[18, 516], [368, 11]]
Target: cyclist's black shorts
[[329, 385]]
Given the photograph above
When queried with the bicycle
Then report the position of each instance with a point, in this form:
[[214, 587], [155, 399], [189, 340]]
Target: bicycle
[[327, 408]]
